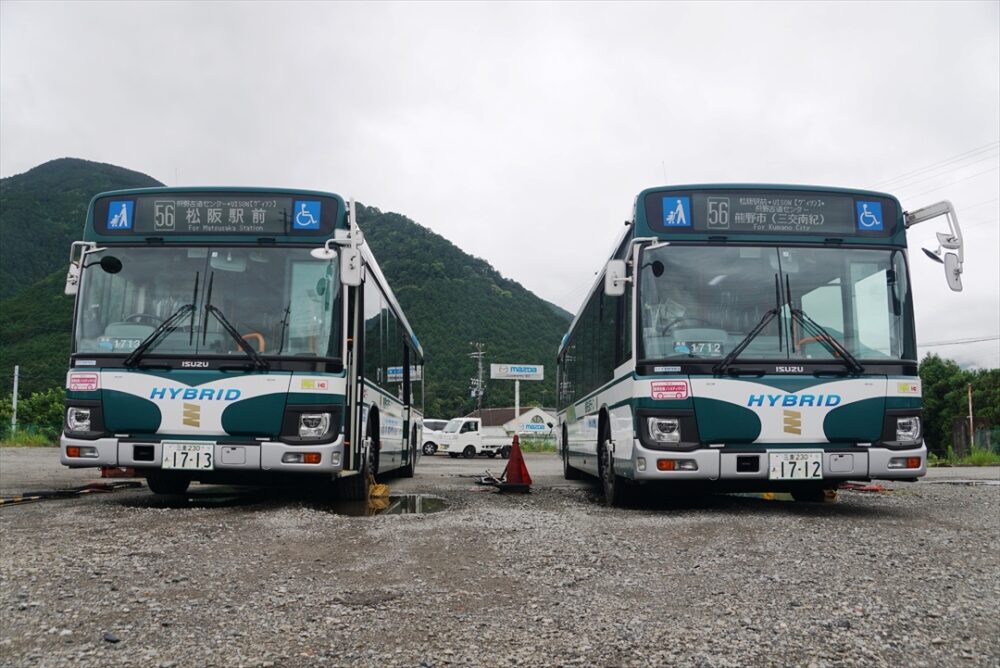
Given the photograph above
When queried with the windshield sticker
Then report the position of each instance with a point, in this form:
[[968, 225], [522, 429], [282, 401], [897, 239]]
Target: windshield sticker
[[307, 215], [869, 216], [676, 211], [120, 214], [666, 369], [118, 345], [669, 389], [83, 382]]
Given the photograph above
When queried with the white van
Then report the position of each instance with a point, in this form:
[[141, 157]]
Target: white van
[[432, 435], [464, 436]]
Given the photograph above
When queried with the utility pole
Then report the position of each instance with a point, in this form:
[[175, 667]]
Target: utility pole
[[972, 426], [13, 415], [477, 382]]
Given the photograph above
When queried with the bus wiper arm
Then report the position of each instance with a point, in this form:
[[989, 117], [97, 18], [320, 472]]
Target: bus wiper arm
[[258, 361], [165, 327], [829, 341], [722, 366]]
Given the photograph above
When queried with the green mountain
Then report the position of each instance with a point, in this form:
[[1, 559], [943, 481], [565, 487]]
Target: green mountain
[[42, 212], [450, 297]]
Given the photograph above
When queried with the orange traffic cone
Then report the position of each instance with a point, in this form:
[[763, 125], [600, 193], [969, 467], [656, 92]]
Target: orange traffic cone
[[516, 477]]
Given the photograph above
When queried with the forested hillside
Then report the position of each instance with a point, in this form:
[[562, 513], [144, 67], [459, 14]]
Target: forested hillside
[[42, 212], [450, 297]]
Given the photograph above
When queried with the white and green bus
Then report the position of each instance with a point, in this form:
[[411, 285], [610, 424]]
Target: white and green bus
[[750, 338], [237, 336]]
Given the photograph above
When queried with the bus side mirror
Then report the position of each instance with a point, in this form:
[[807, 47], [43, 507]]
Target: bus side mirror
[[350, 266], [951, 241], [615, 279], [953, 271]]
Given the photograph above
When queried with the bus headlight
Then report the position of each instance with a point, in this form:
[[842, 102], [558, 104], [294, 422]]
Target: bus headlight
[[78, 419], [664, 430], [908, 429], [314, 425]]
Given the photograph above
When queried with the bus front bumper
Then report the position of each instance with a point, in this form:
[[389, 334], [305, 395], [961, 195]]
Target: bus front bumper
[[268, 456], [711, 464]]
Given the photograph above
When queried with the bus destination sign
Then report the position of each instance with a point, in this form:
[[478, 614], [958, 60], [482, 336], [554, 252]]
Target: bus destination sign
[[768, 212], [215, 213]]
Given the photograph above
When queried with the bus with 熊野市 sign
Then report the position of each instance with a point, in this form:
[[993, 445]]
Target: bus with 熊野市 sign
[[750, 338], [228, 335]]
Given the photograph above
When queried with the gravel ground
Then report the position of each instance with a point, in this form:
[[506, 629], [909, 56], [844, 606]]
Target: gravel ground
[[228, 578]]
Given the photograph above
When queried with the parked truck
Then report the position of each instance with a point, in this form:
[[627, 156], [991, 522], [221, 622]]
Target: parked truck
[[464, 436]]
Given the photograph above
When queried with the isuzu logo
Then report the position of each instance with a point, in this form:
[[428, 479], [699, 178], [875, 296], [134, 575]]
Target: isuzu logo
[[789, 369], [188, 364]]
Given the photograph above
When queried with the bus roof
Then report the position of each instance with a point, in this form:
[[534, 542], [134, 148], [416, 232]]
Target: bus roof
[[211, 214]]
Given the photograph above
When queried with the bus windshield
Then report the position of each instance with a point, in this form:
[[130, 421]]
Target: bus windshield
[[281, 301], [701, 302]]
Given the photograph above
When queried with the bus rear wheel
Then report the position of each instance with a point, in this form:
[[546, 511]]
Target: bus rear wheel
[[469, 452], [165, 482]]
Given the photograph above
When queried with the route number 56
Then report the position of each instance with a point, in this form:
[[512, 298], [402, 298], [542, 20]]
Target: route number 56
[[718, 212], [163, 215]]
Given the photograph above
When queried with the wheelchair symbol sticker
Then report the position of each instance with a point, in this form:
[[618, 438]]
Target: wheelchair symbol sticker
[[869, 216], [306, 215], [120, 215], [676, 211]]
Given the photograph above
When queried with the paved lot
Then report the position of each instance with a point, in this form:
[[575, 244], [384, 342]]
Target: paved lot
[[233, 577]]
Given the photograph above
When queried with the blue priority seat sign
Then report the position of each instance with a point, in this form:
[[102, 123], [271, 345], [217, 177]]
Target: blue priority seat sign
[[676, 211], [870, 216], [306, 215], [120, 214]]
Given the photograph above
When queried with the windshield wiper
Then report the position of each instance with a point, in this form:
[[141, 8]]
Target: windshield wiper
[[724, 365], [830, 342], [258, 361], [165, 327]]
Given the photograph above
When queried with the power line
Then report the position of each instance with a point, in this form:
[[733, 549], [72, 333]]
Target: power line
[[954, 158], [957, 342], [910, 184], [948, 185]]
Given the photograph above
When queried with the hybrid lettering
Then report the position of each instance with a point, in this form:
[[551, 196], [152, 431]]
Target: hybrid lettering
[[787, 400], [194, 394]]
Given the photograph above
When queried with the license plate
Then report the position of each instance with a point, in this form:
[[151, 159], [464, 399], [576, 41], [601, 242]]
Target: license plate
[[796, 466], [189, 456]]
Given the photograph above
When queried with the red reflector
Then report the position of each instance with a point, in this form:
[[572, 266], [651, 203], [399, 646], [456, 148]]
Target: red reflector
[[666, 464], [312, 458], [913, 462], [72, 451]]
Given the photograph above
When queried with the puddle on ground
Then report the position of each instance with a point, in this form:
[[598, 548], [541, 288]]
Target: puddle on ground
[[401, 504], [224, 496]]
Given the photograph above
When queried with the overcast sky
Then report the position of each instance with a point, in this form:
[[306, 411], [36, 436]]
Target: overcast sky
[[523, 131]]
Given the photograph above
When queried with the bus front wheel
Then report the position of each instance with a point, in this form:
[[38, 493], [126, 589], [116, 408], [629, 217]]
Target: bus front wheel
[[162, 482]]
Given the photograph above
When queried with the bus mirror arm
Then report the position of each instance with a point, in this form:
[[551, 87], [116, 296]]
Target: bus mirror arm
[[952, 241]]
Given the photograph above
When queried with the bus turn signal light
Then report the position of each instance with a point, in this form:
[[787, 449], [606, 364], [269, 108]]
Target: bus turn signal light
[[913, 462], [72, 451], [666, 465], [312, 458]]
